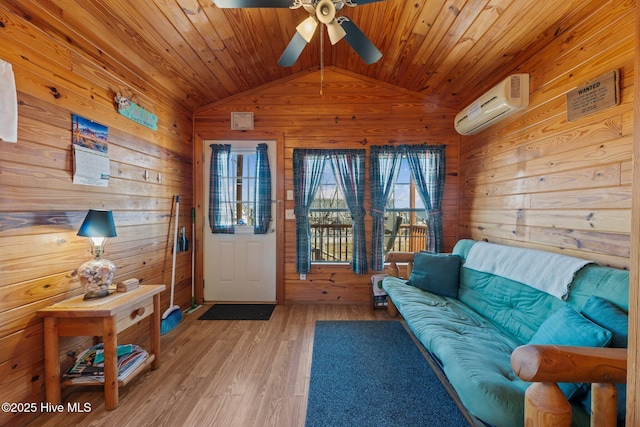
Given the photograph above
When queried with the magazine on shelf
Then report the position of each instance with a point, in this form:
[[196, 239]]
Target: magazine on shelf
[[86, 369]]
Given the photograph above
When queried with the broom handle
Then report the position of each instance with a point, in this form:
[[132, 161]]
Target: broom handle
[[193, 254], [173, 263]]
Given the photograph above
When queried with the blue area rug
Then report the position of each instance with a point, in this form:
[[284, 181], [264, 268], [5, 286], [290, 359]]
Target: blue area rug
[[371, 373]]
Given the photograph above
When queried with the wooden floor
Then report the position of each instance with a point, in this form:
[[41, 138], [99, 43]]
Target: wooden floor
[[221, 373]]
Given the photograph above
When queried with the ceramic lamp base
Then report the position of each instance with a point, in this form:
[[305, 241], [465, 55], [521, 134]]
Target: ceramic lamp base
[[95, 277]]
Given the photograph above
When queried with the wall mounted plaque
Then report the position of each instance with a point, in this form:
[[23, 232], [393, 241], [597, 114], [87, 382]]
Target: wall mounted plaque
[[593, 96], [242, 121]]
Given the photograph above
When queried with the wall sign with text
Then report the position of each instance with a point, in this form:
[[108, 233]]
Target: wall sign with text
[[133, 111], [593, 96], [241, 121]]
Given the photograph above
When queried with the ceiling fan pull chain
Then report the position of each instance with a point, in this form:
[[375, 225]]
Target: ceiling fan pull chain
[[321, 57]]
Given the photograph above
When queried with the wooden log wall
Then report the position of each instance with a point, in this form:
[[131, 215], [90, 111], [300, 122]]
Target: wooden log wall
[[351, 112], [41, 209], [540, 181]]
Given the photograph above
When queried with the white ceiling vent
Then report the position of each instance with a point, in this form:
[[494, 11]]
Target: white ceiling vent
[[509, 96]]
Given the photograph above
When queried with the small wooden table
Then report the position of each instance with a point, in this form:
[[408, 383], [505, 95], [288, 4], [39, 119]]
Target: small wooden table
[[103, 317]]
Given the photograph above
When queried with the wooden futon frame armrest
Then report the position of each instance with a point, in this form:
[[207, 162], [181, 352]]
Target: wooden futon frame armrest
[[395, 257], [546, 365]]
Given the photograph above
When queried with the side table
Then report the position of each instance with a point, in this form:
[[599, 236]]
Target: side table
[[103, 317]]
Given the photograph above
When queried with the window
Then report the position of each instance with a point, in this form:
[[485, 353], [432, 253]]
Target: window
[[239, 189], [426, 166], [242, 184], [405, 215], [330, 222], [311, 169]]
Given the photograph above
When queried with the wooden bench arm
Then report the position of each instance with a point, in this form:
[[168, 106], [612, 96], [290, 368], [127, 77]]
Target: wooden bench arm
[[546, 365], [555, 363], [395, 257], [399, 257]]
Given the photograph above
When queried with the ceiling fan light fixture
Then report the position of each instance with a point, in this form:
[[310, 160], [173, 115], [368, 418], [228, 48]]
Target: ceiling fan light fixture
[[325, 11], [307, 28], [335, 31]]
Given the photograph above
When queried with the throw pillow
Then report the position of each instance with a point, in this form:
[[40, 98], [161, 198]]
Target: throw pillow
[[568, 327], [611, 317], [436, 273]]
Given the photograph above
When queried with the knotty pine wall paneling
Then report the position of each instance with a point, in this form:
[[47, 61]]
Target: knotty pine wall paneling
[[41, 209], [352, 112], [633, 358], [539, 181]]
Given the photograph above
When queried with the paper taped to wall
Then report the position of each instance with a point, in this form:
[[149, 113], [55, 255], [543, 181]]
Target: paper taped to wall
[[8, 104]]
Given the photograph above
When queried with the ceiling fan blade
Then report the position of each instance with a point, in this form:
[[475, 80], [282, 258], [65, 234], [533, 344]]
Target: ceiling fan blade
[[359, 42], [227, 4], [293, 51]]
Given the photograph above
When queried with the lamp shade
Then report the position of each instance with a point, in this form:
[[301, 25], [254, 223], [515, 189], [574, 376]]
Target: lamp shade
[[98, 223], [307, 28], [335, 31]]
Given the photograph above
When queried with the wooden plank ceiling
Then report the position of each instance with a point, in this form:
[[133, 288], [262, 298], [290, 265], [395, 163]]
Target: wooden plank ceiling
[[198, 53]]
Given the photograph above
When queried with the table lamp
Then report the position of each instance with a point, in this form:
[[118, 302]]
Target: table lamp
[[96, 274]]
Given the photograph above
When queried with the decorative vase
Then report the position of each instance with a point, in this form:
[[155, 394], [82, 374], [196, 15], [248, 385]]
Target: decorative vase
[[95, 277]]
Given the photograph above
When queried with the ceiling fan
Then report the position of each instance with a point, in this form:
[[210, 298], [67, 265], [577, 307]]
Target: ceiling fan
[[323, 11]]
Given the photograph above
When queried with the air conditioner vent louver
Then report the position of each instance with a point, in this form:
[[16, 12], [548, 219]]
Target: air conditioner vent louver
[[509, 96]]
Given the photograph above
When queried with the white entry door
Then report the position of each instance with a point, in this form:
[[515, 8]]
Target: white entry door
[[239, 267]]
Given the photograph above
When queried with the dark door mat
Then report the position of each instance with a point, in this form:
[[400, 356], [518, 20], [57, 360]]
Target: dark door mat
[[238, 312]]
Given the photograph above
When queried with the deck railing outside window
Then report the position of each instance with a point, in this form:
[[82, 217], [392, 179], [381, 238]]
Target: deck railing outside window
[[410, 238], [332, 242]]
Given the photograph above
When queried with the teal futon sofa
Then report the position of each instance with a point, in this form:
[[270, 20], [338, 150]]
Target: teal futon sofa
[[472, 308]]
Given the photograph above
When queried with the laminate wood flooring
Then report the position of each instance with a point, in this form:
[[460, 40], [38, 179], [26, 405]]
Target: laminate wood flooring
[[220, 373]]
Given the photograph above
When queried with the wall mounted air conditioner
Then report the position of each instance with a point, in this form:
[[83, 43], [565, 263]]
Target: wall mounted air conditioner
[[509, 96]]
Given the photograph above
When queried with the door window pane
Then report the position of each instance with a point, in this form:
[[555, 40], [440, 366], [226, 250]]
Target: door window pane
[[242, 183]]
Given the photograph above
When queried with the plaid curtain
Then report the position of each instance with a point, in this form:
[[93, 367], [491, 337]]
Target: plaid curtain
[[308, 167], [220, 214], [262, 198], [383, 171], [427, 164], [348, 168]]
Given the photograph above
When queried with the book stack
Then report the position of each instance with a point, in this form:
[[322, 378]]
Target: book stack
[[89, 365]]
